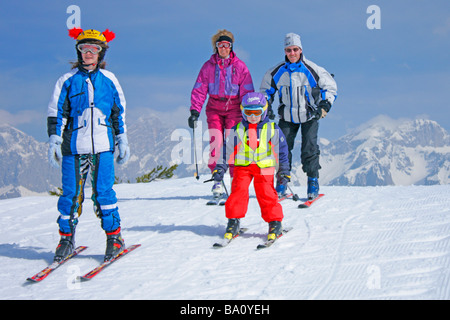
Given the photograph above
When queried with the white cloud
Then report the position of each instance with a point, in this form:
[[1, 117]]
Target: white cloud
[[242, 54], [19, 118]]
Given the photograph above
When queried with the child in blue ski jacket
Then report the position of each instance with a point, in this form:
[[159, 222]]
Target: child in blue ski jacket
[[86, 117]]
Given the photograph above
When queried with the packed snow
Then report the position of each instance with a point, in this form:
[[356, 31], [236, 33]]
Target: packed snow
[[354, 243]]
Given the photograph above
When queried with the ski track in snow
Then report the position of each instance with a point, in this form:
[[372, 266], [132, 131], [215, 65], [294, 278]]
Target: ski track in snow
[[355, 243]]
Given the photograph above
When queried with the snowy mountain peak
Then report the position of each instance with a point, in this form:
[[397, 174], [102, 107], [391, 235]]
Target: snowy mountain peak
[[421, 132], [382, 151], [389, 152], [24, 169]]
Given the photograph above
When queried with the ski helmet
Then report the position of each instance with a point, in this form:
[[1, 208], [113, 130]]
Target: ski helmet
[[254, 103], [92, 36]]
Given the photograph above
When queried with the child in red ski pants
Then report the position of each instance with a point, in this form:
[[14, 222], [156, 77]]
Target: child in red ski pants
[[263, 182], [256, 147]]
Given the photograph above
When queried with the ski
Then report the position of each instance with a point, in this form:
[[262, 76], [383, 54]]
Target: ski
[[308, 203], [226, 242], [268, 243], [285, 196], [55, 265], [103, 265], [291, 196], [217, 201]]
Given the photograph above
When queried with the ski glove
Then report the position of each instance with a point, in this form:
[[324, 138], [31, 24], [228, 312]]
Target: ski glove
[[192, 121], [54, 151], [283, 178], [124, 149], [218, 174], [270, 113], [323, 108]]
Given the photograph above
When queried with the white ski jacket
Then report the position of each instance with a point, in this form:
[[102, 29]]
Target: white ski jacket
[[301, 86]]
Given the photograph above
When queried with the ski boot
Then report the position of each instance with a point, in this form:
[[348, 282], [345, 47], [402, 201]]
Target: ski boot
[[281, 187], [114, 244], [217, 189], [275, 230], [65, 246], [313, 188], [218, 193], [233, 228], [281, 190]]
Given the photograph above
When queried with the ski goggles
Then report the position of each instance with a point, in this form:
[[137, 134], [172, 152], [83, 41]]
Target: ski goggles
[[89, 47], [223, 44], [253, 112]]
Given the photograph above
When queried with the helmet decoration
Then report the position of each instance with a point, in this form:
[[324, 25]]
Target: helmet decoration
[[254, 103], [92, 36], [79, 35]]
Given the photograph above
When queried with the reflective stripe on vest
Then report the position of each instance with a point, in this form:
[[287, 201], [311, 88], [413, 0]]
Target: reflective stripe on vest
[[263, 155]]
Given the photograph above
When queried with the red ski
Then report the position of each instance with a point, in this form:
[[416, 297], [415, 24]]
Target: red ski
[[308, 203], [55, 265], [290, 195], [286, 196], [102, 266]]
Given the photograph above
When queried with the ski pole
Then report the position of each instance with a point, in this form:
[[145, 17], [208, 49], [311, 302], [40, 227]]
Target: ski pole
[[225, 187], [294, 195], [195, 155]]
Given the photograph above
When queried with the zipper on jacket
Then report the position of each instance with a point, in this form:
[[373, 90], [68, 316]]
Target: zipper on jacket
[[92, 128], [298, 104], [76, 95], [290, 96], [91, 106]]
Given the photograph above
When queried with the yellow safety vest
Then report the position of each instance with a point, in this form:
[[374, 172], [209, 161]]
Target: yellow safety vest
[[263, 156]]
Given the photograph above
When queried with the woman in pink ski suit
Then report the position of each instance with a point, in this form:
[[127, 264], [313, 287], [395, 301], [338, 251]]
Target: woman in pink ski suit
[[226, 79]]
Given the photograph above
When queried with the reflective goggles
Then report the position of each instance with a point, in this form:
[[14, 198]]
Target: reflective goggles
[[253, 112], [223, 44], [89, 47]]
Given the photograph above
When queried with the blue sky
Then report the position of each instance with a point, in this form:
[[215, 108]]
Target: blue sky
[[401, 70]]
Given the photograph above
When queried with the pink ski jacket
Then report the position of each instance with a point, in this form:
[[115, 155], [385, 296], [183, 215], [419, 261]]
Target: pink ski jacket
[[225, 80]]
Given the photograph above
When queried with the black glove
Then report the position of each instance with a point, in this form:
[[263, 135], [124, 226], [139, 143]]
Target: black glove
[[322, 109], [283, 177], [218, 174], [192, 121], [270, 113]]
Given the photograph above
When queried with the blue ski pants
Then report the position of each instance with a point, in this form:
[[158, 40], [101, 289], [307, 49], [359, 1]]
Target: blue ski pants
[[75, 169]]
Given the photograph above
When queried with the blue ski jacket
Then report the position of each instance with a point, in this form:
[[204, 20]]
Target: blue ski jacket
[[87, 109]]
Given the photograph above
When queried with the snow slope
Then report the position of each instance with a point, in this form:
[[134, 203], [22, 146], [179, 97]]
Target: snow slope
[[355, 243]]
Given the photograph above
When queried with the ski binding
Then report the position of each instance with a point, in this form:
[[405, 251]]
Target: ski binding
[[270, 242]]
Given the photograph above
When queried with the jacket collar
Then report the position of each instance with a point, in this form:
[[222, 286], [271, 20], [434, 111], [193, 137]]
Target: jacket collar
[[223, 63], [295, 65], [87, 72]]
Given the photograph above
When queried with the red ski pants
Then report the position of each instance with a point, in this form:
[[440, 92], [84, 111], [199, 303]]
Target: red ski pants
[[237, 203]]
